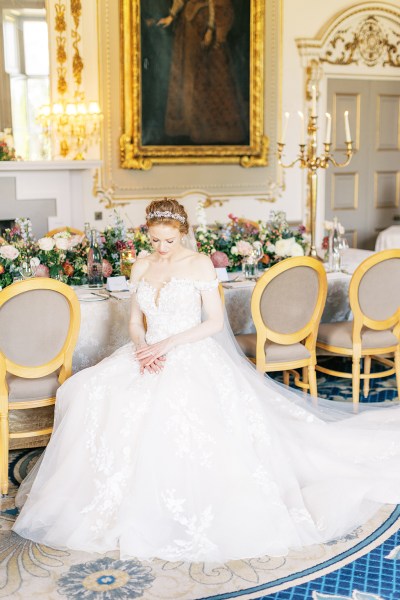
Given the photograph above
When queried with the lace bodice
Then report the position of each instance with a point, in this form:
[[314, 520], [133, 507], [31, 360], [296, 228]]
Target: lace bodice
[[175, 307]]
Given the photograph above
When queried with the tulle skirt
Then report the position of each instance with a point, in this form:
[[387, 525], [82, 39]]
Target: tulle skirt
[[207, 460]]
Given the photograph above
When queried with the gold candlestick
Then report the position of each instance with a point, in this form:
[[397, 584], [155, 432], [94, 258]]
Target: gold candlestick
[[309, 159]]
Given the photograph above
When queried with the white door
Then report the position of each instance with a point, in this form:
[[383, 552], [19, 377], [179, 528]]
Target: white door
[[364, 196]]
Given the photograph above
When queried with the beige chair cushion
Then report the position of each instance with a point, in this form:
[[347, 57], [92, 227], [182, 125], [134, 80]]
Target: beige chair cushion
[[379, 290], [288, 301], [34, 326], [273, 352], [340, 335], [21, 390]]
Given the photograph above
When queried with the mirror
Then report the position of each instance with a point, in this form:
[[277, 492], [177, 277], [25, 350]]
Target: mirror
[[24, 75]]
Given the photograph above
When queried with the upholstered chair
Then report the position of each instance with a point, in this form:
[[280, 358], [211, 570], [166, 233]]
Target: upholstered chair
[[286, 306], [62, 229], [39, 326], [374, 332]]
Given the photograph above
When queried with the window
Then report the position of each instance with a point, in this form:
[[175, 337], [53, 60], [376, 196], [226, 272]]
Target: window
[[26, 66]]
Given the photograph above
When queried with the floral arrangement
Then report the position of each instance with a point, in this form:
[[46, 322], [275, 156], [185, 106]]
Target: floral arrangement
[[230, 243], [64, 256], [329, 226], [6, 152]]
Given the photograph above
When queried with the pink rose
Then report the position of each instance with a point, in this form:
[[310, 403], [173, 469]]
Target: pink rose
[[42, 271], [9, 252], [107, 268], [74, 241], [219, 259], [244, 248]]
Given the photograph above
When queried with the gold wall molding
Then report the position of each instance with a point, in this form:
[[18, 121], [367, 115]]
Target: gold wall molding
[[136, 154], [367, 33], [176, 178], [370, 43]]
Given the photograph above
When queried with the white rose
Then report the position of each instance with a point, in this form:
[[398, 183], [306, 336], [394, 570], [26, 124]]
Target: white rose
[[62, 243], [46, 244], [282, 247], [296, 250], [234, 251], [34, 262], [9, 252]]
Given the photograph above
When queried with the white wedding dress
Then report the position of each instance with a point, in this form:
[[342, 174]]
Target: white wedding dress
[[207, 460]]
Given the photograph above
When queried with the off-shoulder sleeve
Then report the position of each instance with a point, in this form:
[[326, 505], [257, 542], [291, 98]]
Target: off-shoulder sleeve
[[205, 286], [132, 286]]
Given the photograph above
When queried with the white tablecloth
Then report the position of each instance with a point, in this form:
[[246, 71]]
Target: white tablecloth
[[388, 238], [104, 323]]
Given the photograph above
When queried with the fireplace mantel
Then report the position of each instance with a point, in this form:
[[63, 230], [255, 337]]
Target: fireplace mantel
[[49, 165], [53, 193]]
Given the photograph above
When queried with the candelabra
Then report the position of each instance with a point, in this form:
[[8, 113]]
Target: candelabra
[[309, 159]]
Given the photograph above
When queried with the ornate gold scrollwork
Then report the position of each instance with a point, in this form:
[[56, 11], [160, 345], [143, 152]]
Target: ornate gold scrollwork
[[369, 43], [77, 62]]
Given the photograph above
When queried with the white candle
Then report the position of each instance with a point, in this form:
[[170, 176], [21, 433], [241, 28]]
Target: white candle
[[328, 128], [285, 126], [347, 126], [314, 101], [301, 126]]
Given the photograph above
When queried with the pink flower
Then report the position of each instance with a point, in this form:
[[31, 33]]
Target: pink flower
[[9, 252], [244, 248], [219, 259], [107, 268], [42, 271], [75, 240]]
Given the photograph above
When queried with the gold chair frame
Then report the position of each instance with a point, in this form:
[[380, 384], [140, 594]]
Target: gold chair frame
[[62, 361], [61, 229], [359, 321], [307, 335]]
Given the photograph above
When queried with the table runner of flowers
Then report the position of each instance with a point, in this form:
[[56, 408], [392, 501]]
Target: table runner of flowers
[[64, 255]]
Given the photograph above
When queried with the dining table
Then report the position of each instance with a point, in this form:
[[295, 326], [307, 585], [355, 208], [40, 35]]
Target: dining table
[[105, 315]]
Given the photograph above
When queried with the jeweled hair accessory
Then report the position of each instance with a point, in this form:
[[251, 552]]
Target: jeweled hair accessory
[[166, 214]]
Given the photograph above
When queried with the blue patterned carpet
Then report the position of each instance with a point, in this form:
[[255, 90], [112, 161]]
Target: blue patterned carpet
[[375, 576]]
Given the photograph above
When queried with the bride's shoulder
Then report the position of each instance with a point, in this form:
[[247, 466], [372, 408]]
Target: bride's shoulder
[[201, 267], [140, 267]]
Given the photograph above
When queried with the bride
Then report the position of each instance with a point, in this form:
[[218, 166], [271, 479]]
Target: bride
[[175, 447]]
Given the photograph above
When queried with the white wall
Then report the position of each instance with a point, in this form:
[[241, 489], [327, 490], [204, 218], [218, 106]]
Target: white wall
[[300, 19]]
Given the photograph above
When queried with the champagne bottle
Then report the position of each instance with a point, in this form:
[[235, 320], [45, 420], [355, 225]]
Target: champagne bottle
[[95, 263]]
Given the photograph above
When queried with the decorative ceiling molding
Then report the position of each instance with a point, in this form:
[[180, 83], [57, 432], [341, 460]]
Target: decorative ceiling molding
[[365, 34]]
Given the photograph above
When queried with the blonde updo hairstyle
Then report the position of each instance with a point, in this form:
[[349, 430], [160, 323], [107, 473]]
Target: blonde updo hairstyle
[[167, 205]]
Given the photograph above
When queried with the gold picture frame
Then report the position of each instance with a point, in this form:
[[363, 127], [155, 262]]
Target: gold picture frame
[[143, 145]]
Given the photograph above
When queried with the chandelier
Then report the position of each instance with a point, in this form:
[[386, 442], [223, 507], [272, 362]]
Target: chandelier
[[74, 123]]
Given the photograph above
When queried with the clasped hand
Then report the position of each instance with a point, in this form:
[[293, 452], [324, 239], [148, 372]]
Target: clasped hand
[[152, 357]]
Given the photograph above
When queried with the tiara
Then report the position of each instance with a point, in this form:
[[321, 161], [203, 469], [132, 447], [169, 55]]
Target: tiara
[[166, 214]]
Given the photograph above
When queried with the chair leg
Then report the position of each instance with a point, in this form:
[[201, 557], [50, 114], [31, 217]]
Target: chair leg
[[397, 367], [305, 374], [286, 377], [4, 443], [312, 378], [367, 371], [356, 382]]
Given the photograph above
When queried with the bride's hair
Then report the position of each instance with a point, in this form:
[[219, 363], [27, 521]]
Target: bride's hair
[[167, 211]]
